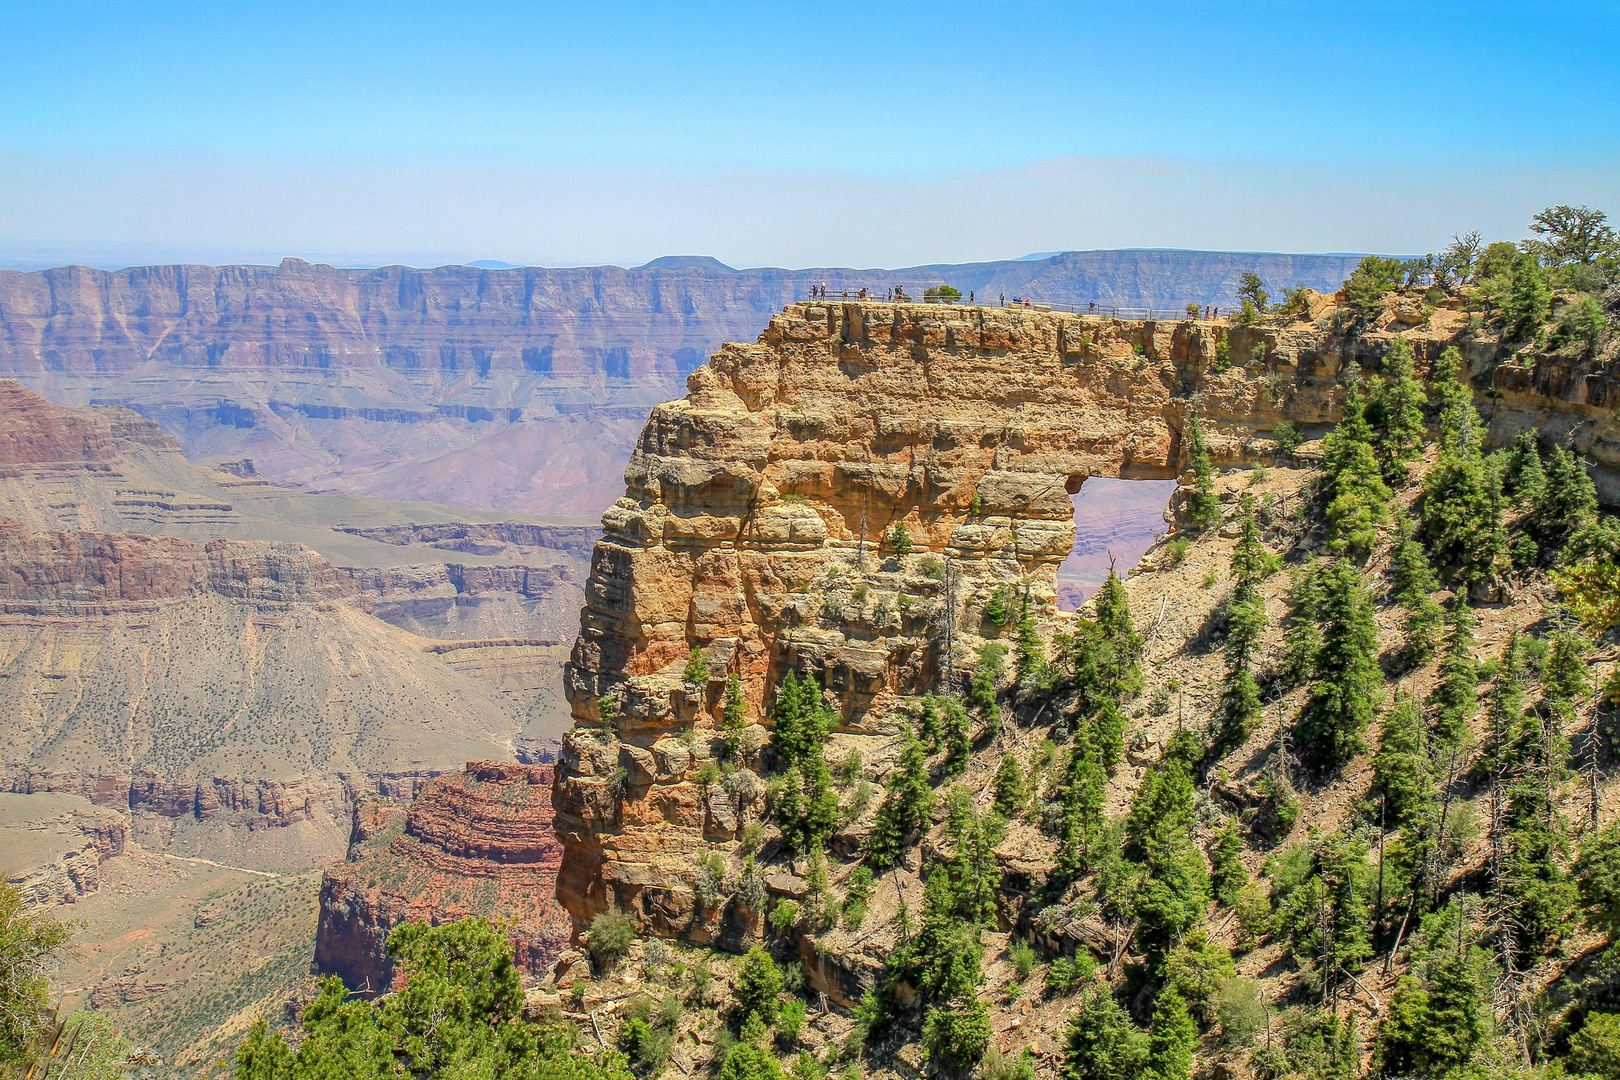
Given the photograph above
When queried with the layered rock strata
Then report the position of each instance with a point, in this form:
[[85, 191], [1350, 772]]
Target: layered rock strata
[[761, 513], [474, 843]]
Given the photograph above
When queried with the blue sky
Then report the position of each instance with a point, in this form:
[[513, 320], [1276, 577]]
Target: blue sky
[[609, 132]]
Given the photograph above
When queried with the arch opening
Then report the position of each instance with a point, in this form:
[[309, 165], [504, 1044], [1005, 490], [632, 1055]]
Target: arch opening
[[1118, 519]]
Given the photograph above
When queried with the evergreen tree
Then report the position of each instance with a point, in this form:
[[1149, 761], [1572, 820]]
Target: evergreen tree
[[1462, 496], [1172, 1041], [1173, 895], [1414, 586], [954, 734], [905, 805], [1401, 769], [1346, 673], [1568, 502], [1440, 1014], [1359, 504], [1448, 383], [1529, 300], [1080, 794], [1302, 631], [1011, 792], [1124, 644], [1524, 478], [1102, 1043], [1455, 697], [1597, 872], [1240, 706], [1227, 872], [759, 987], [789, 734], [1322, 907], [1029, 651], [1203, 508], [982, 688], [1398, 412], [733, 717], [1239, 710]]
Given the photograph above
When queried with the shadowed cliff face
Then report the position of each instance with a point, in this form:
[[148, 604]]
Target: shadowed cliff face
[[516, 389], [755, 517]]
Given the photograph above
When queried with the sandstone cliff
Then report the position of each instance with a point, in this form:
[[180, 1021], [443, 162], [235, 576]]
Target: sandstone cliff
[[754, 523], [474, 843]]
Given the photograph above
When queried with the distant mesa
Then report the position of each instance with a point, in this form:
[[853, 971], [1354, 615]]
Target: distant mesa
[[687, 262], [494, 264], [1037, 256]]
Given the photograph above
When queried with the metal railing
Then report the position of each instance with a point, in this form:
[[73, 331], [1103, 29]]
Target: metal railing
[[1101, 309]]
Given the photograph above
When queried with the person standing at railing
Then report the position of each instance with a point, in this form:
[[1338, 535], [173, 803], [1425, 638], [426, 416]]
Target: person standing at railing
[[1003, 299]]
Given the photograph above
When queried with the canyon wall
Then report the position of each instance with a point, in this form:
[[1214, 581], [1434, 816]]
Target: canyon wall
[[518, 389], [754, 521], [474, 843]]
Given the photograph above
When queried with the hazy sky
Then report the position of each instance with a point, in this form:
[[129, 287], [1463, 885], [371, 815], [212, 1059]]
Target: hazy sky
[[792, 134]]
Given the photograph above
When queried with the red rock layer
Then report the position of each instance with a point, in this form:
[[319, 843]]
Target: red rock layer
[[475, 843]]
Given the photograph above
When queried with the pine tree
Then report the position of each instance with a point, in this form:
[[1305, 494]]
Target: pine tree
[[1029, 651], [1240, 706], [1227, 872], [954, 734], [1080, 793], [1203, 508], [1239, 710], [1462, 497], [1455, 697], [1401, 770], [1524, 478], [1172, 1041], [905, 804], [1174, 891], [1346, 673], [1448, 383], [1302, 631], [800, 721], [1102, 1043], [1529, 300], [733, 717], [1414, 585], [1398, 418], [1124, 659], [1011, 792], [1358, 503], [759, 987], [1568, 502], [982, 688]]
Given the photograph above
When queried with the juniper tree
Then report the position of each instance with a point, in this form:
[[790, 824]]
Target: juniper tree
[[1346, 675]]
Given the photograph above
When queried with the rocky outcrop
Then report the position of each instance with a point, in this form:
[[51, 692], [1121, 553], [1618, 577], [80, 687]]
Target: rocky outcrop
[[487, 538], [55, 846], [96, 573], [474, 843], [760, 511]]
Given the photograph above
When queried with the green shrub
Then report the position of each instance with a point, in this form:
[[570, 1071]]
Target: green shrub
[[898, 539], [1176, 550], [931, 566], [1023, 959], [784, 915], [1067, 973], [611, 936], [697, 667], [791, 1021], [759, 987]]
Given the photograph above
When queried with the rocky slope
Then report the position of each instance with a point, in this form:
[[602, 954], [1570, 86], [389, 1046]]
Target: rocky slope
[[474, 843], [515, 389], [211, 652], [55, 845], [758, 527]]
